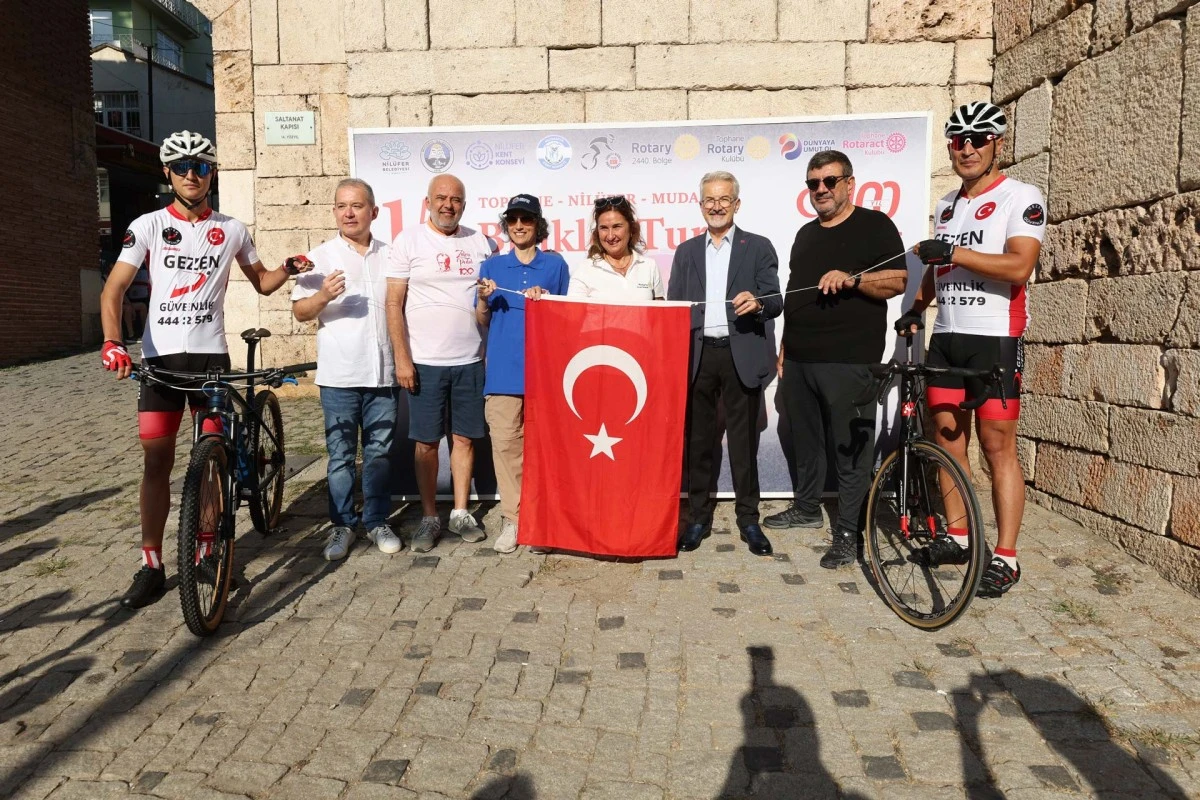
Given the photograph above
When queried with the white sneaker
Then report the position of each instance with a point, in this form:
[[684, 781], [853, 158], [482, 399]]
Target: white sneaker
[[385, 539], [463, 524], [339, 542], [506, 542]]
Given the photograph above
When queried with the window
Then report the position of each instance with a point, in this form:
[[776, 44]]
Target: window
[[119, 110], [102, 27], [167, 51], [208, 74]]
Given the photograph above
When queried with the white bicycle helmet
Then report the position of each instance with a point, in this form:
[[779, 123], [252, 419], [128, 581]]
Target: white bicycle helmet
[[979, 116], [185, 144]]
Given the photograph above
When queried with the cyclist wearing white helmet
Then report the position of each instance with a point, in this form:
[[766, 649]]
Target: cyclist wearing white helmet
[[188, 248], [986, 240]]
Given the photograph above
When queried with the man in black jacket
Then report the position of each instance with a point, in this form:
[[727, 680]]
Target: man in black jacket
[[831, 335], [734, 276]]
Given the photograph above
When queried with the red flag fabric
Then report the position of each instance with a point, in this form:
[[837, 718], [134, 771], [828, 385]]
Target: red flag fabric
[[605, 403]]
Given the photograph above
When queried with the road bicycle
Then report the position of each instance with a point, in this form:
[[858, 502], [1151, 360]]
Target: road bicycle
[[243, 461], [920, 492]]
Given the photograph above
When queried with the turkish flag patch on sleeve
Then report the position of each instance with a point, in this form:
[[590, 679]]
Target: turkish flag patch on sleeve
[[605, 405]]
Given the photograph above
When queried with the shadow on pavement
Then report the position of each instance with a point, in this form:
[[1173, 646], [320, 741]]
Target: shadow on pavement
[[1069, 724], [47, 677], [780, 756], [49, 511], [508, 787]]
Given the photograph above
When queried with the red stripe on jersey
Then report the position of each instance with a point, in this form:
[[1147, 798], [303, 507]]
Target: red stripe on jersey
[[171, 210], [1018, 316]]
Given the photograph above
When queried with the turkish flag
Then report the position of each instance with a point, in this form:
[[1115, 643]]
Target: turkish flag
[[605, 400]]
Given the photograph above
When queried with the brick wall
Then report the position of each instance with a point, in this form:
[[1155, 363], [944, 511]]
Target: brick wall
[[1105, 97], [457, 62], [48, 179]]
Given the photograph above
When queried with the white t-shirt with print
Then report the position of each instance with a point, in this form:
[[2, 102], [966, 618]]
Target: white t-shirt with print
[[189, 270], [967, 301], [595, 279], [353, 349], [442, 272]]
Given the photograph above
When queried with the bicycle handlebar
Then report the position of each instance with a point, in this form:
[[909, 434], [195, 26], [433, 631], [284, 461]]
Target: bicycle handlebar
[[884, 373], [273, 375]]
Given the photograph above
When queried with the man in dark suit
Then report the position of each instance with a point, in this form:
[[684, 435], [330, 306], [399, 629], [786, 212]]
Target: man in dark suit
[[728, 270]]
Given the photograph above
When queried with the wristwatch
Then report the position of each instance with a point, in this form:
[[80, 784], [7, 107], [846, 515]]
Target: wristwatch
[[857, 280]]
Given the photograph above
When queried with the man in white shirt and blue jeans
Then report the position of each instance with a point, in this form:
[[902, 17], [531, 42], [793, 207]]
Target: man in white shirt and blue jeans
[[345, 293]]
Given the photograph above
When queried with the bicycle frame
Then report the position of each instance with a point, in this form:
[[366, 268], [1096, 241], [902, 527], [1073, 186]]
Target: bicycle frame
[[911, 430]]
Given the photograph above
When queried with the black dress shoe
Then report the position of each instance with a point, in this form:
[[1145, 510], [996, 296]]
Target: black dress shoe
[[756, 540], [693, 535]]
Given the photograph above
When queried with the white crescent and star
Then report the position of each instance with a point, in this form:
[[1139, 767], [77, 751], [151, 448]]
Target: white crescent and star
[[615, 357]]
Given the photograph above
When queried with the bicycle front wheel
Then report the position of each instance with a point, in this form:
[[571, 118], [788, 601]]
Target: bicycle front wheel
[[205, 541], [914, 499], [267, 462]]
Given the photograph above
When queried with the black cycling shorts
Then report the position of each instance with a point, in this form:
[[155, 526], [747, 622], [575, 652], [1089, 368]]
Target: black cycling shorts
[[155, 397], [976, 352]]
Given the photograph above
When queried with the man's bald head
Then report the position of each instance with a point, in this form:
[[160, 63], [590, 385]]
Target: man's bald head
[[447, 199]]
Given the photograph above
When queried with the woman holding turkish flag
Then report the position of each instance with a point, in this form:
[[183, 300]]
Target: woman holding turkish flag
[[506, 281]]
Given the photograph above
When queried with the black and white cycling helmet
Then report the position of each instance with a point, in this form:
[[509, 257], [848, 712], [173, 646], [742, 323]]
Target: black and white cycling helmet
[[979, 116], [186, 144]]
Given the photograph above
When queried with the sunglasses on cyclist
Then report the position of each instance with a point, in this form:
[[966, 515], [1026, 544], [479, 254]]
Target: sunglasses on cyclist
[[829, 181], [978, 140], [182, 168], [616, 201]]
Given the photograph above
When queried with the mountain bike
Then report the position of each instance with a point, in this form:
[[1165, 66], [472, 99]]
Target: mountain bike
[[918, 494], [242, 462]]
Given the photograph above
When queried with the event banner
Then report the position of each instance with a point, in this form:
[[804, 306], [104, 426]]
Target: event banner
[[605, 403], [658, 166]]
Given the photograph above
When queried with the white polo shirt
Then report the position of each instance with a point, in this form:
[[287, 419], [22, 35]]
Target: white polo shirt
[[595, 279], [442, 273], [353, 350]]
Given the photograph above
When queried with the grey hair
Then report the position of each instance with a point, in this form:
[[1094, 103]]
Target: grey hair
[[356, 183], [721, 175]]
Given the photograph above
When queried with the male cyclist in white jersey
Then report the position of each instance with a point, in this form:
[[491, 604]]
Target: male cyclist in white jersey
[[985, 245], [189, 249]]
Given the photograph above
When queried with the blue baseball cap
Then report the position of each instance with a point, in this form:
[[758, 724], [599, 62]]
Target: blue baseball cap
[[524, 202]]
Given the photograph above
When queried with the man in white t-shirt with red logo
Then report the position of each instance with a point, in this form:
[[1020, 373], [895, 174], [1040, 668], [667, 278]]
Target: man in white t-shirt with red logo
[[986, 240], [189, 249], [433, 271]]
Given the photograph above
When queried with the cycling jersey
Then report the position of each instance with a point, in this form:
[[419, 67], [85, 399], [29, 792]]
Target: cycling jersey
[[189, 270], [967, 301]]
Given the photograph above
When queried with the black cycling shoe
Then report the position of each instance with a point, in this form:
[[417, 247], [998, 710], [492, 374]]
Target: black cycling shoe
[[843, 551], [147, 586], [792, 517], [998, 578], [942, 550]]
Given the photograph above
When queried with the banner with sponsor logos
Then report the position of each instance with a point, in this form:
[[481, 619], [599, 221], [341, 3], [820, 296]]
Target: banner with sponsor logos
[[658, 166]]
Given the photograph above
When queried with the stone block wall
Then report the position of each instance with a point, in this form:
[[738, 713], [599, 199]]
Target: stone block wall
[[364, 63], [1105, 101]]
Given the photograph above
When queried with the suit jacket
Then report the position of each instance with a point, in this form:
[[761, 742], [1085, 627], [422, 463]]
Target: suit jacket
[[754, 268]]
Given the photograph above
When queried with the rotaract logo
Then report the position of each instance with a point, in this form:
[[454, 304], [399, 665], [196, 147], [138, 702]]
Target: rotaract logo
[[437, 155], [554, 152], [895, 143], [789, 146], [479, 156]]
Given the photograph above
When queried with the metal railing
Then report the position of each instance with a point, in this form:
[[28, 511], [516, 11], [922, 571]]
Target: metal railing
[[185, 13]]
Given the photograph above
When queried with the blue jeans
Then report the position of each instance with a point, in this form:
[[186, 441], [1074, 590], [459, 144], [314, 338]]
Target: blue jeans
[[348, 411]]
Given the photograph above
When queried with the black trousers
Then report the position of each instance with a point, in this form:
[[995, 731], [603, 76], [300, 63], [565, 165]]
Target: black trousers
[[819, 402], [716, 377]]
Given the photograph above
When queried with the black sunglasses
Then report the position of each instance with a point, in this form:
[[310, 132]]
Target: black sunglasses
[[182, 168], [519, 216], [611, 202], [959, 140], [829, 182]]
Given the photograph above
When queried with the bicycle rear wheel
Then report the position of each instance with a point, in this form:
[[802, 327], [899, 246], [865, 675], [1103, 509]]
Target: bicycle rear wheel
[[205, 543], [267, 460], [928, 597]]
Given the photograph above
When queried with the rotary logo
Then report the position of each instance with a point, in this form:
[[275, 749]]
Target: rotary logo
[[687, 147]]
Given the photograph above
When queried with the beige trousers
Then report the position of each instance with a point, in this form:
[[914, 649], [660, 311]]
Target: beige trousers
[[505, 415]]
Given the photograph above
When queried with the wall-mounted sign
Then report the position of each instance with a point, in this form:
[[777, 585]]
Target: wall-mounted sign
[[290, 127]]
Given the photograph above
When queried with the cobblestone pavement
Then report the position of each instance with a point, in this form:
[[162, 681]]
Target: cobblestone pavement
[[466, 674]]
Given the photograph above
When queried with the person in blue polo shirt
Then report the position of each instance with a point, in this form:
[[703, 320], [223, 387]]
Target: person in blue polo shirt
[[506, 281]]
